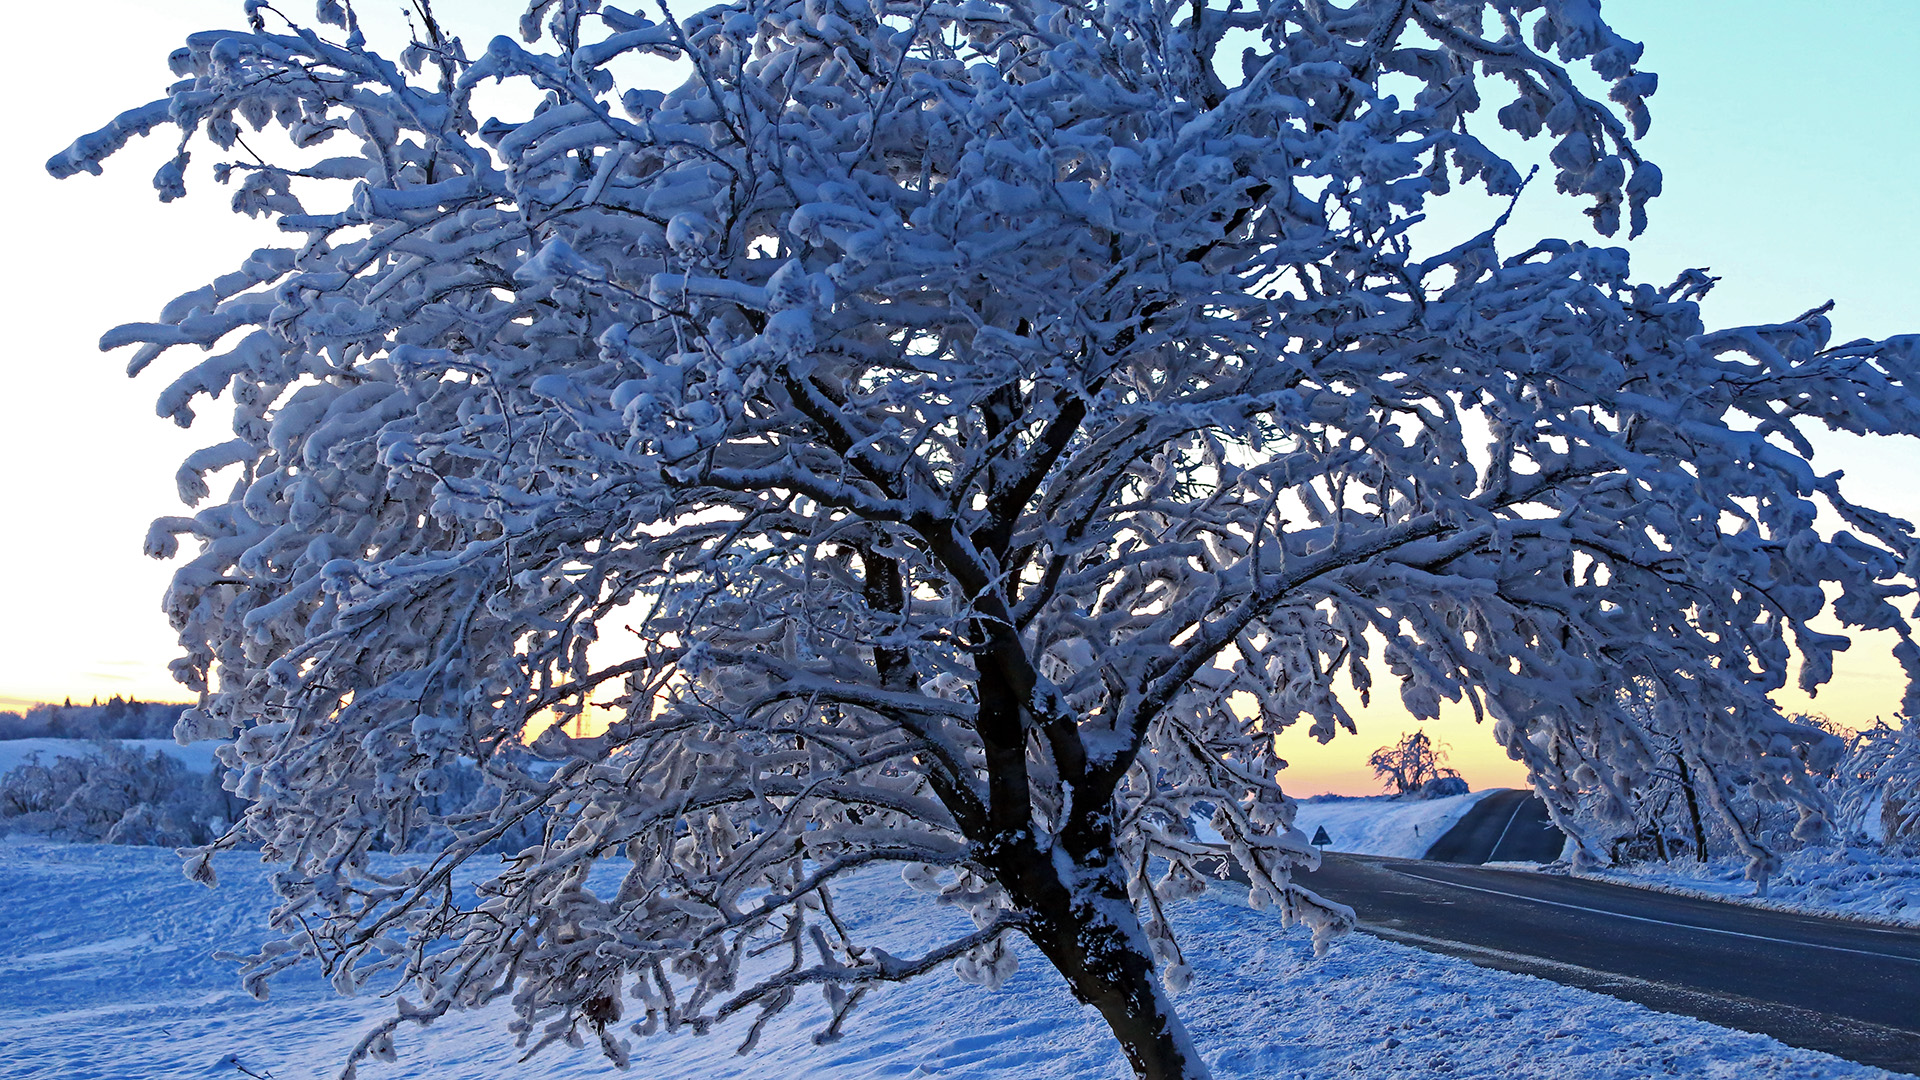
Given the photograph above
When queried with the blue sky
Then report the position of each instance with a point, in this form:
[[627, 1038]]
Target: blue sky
[[1789, 135]]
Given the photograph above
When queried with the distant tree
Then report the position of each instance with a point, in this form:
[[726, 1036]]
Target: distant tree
[[1410, 764], [995, 422]]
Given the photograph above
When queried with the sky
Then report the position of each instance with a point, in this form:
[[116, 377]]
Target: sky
[[1789, 136]]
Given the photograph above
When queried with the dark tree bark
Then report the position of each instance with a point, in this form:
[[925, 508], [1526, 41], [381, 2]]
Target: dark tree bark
[[1073, 904], [1693, 809], [1093, 938]]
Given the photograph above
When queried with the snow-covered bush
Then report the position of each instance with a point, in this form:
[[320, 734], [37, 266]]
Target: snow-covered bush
[[1879, 786], [121, 794], [993, 422], [118, 795]]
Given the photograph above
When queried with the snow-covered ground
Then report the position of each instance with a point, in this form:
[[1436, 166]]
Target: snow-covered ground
[[105, 973], [197, 757], [1380, 825], [1857, 882]]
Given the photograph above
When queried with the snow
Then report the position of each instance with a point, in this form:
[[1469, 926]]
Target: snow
[[1854, 882], [197, 757], [1381, 824], [104, 960]]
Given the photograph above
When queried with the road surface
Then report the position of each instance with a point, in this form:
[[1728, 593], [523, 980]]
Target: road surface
[[1844, 988], [1506, 826]]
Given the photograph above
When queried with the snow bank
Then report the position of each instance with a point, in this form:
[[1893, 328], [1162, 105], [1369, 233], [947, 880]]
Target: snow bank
[[1855, 882], [104, 972], [197, 758], [1381, 824]]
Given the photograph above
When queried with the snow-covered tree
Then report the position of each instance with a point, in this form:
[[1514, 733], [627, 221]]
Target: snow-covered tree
[[115, 793], [1412, 764], [1662, 814], [958, 435], [1879, 783]]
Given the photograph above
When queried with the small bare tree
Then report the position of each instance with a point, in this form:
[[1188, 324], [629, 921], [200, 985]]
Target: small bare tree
[[1407, 765]]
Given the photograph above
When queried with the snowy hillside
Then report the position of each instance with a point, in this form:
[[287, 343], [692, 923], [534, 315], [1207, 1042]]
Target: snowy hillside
[[197, 757], [1380, 825], [105, 973]]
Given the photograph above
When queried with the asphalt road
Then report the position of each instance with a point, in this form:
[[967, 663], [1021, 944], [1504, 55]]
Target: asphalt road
[[1844, 988], [1506, 826]]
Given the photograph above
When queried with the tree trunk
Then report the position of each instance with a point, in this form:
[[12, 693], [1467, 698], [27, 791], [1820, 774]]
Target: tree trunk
[[1096, 943], [1693, 810]]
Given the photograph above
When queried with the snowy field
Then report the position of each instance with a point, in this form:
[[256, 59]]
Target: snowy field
[[197, 757], [103, 953], [1378, 825]]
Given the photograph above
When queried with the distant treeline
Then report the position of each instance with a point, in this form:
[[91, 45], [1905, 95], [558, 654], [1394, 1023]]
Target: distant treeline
[[113, 719]]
